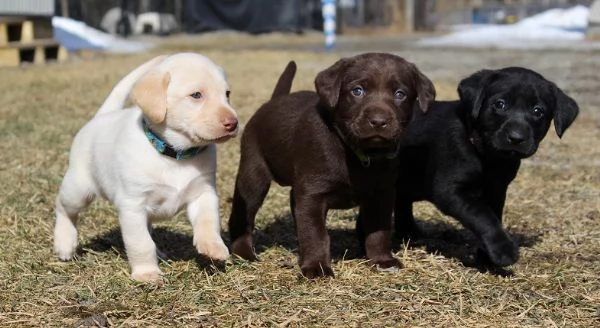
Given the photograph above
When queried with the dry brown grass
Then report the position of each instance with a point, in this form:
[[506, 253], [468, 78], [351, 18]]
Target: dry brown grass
[[553, 210]]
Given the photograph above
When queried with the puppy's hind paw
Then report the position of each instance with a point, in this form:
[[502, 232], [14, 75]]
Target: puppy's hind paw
[[215, 250]]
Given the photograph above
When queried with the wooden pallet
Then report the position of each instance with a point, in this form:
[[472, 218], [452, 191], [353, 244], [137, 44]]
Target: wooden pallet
[[22, 29], [36, 52], [28, 40]]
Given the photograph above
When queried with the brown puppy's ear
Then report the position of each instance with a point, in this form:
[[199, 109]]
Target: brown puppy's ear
[[470, 90], [565, 111], [329, 82], [425, 90], [150, 94]]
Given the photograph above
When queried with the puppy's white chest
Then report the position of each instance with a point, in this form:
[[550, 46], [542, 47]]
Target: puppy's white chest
[[166, 198]]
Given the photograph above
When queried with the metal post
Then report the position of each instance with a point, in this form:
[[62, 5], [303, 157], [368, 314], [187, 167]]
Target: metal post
[[409, 15], [328, 8]]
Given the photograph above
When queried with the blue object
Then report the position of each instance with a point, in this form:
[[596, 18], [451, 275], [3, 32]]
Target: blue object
[[328, 8]]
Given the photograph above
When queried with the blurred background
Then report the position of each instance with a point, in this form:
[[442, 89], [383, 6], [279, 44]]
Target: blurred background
[[102, 25], [552, 208]]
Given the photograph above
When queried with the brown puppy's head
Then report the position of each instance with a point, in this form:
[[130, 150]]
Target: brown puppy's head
[[509, 111], [185, 98], [371, 97]]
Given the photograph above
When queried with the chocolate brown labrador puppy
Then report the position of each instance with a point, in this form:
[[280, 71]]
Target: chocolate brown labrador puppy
[[337, 149], [463, 154]]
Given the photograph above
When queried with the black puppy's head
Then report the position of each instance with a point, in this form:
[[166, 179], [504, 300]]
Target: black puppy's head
[[370, 98], [509, 110]]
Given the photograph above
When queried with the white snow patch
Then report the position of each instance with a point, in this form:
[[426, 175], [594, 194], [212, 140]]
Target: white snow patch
[[75, 35], [549, 28]]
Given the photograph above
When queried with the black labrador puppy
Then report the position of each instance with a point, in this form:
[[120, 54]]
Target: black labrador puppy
[[463, 154], [337, 148]]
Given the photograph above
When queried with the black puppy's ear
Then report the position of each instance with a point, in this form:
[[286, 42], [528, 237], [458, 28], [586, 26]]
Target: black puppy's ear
[[565, 111], [425, 90], [329, 82], [470, 90]]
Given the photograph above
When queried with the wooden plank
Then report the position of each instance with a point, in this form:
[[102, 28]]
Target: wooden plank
[[20, 29], [40, 54], [12, 19], [9, 57], [63, 54], [30, 44], [26, 31]]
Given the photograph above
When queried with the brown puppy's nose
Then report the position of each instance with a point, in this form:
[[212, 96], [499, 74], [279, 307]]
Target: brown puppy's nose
[[230, 124], [378, 121]]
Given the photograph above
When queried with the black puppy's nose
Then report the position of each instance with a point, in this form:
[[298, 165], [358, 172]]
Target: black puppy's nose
[[378, 122], [515, 137]]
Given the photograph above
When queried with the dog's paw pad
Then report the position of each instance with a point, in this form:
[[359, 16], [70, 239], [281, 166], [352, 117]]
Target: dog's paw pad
[[214, 250], [392, 265], [64, 256], [65, 252], [388, 269], [313, 272], [147, 275], [502, 251], [242, 247]]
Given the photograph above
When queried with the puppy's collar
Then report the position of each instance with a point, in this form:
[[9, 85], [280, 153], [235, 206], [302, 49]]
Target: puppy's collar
[[164, 148], [365, 160]]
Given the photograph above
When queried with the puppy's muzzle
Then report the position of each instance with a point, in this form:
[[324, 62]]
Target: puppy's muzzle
[[516, 140], [377, 126]]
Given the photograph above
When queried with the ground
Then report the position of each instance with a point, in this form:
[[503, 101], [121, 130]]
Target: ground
[[553, 210]]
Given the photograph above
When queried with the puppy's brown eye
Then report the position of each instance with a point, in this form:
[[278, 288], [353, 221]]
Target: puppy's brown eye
[[538, 111], [500, 104], [358, 92], [399, 94], [196, 95]]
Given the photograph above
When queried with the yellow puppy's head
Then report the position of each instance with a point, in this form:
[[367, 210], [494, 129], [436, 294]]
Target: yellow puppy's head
[[185, 98]]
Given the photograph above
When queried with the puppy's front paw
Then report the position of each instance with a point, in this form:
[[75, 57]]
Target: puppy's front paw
[[312, 271], [388, 265], [65, 246], [502, 251], [242, 247], [214, 249], [146, 274]]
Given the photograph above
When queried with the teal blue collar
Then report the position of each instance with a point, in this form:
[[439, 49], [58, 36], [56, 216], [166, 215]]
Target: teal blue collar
[[164, 148], [364, 159]]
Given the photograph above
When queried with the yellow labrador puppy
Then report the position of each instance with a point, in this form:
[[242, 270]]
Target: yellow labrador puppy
[[153, 159]]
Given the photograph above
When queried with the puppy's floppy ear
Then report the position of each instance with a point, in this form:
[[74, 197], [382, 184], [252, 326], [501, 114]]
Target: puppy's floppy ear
[[425, 90], [470, 90], [329, 82], [565, 111], [150, 94]]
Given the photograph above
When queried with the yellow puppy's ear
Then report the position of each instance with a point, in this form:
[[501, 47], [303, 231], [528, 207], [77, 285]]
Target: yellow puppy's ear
[[150, 94]]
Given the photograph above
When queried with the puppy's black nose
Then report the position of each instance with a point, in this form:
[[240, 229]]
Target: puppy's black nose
[[515, 137], [230, 124], [378, 122]]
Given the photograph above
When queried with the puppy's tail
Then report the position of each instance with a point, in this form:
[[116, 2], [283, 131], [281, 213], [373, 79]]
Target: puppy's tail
[[117, 97], [284, 84]]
